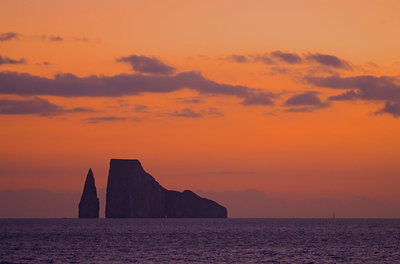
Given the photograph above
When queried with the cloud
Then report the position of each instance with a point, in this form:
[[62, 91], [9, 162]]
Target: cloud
[[364, 87], [8, 36], [349, 95], [190, 100], [54, 38], [305, 102], [212, 111], [291, 58], [147, 65], [44, 63], [69, 85], [95, 120], [307, 98], [274, 57], [328, 60], [186, 112], [141, 108], [6, 60], [391, 108], [259, 98], [36, 106], [238, 58], [189, 113], [265, 58]]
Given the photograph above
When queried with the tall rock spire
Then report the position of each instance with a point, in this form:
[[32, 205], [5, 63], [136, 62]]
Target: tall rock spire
[[89, 204]]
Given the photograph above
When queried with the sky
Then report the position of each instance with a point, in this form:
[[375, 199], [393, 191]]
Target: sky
[[294, 99]]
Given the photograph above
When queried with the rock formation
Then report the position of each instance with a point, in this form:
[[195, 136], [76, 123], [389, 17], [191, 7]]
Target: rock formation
[[131, 192], [89, 204]]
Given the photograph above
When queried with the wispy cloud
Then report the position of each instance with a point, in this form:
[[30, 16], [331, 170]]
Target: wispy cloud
[[54, 38], [147, 65], [44, 63], [238, 58], [212, 111], [100, 119], [190, 100], [7, 60], [7, 36], [141, 108], [186, 112], [37, 106]]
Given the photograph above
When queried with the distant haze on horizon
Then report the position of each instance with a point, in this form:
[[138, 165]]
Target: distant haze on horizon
[[35, 203], [298, 100]]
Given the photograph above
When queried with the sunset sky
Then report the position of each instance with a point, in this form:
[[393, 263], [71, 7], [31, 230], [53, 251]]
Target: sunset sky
[[291, 98]]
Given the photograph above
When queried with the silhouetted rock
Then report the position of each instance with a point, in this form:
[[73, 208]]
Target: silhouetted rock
[[187, 204], [131, 192], [89, 204]]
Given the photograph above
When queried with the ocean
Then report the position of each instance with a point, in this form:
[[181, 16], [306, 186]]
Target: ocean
[[199, 241]]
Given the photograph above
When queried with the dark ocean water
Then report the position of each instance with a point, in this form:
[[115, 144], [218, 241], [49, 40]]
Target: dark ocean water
[[200, 241]]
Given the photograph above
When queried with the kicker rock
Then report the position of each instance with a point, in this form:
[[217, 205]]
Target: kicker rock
[[133, 193], [89, 204]]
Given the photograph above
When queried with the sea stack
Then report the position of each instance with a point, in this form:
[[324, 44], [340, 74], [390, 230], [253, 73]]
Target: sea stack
[[89, 204], [133, 193]]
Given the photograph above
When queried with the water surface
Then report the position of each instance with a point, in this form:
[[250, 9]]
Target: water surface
[[200, 240]]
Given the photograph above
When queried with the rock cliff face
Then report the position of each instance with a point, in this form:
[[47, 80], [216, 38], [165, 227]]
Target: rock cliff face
[[131, 192], [89, 204]]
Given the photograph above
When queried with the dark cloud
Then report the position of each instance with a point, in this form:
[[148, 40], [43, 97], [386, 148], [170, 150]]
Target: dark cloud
[[307, 98], [8, 36], [148, 65], [263, 58], [391, 108], [349, 95], [186, 112], [305, 102], [291, 58], [239, 58], [364, 87], [6, 60], [189, 113], [258, 98], [328, 60], [277, 58], [95, 120], [36, 106], [69, 85]]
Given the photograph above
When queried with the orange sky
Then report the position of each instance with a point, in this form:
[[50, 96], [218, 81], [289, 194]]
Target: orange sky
[[197, 136]]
